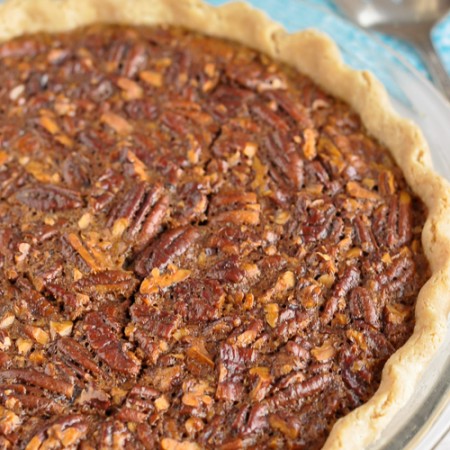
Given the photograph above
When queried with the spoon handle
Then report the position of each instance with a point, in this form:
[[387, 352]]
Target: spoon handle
[[420, 36], [437, 70]]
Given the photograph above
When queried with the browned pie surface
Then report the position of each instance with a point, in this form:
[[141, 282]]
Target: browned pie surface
[[196, 245]]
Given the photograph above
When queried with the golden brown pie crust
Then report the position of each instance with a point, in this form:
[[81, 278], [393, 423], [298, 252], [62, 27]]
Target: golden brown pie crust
[[320, 60]]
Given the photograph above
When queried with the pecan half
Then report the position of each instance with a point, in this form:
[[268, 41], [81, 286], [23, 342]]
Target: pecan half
[[163, 250], [108, 347], [47, 197]]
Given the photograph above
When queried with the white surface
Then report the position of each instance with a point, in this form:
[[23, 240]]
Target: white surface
[[443, 424], [444, 444]]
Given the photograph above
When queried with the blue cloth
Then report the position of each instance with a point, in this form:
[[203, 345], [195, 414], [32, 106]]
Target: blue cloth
[[286, 12], [441, 40]]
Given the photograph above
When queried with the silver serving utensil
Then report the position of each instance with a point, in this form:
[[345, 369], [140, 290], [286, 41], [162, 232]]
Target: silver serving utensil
[[410, 20]]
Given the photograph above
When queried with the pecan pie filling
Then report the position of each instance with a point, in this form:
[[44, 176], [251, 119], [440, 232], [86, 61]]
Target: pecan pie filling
[[199, 248]]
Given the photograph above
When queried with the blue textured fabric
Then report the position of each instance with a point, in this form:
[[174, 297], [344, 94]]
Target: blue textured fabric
[[285, 12], [441, 39]]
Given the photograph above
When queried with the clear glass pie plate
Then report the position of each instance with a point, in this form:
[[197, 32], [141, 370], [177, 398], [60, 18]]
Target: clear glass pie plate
[[425, 419]]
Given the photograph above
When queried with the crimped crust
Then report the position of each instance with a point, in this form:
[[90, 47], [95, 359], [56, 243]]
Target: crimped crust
[[239, 22]]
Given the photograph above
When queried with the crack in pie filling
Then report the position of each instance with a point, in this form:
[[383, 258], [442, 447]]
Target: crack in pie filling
[[199, 247]]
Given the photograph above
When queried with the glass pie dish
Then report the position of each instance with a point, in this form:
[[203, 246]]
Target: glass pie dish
[[415, 98], [424, 420]]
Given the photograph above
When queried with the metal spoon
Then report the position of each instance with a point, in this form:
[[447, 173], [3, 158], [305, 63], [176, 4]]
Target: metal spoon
[[410, 20]]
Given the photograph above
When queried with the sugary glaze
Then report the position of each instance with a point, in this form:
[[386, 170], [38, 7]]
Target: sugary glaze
[[197, 245]]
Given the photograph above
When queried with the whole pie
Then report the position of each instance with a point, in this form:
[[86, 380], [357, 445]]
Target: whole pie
[[213, 234]]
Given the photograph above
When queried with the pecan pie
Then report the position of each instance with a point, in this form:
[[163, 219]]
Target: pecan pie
[[199, 246]]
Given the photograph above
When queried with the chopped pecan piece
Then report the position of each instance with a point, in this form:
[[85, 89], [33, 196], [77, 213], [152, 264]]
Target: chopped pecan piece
[[156, 281], [8, 421], [87, 256], [131, 90], [154, 79], [356, 190], [172, 444], [239, 217], [117, 123]]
